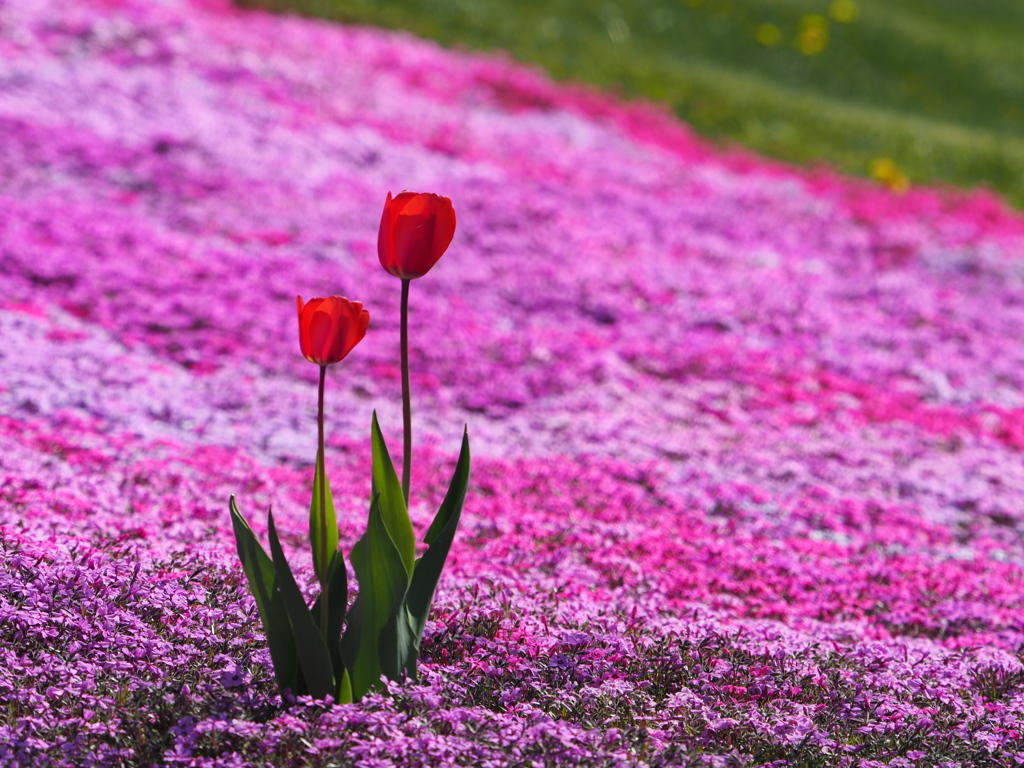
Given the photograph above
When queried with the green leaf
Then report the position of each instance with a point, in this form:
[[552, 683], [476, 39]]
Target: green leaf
[[439, 538], [314, 658], [382, 585], [337, 603], [338, 588], [392, 500], [398, 646], [314, 520], [259, 569], [352, 640], [345, 688]]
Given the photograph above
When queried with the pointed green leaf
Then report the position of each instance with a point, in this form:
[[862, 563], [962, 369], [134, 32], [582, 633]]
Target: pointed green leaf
[[345, 688], [398, 646], [259, 569], [337, 603], [314, 658], [392, 500], [439, 538], [315, 523], [352, 640], [382, 584], [338, 597]]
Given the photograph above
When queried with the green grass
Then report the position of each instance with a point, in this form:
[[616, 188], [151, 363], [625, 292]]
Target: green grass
[[936, 86]]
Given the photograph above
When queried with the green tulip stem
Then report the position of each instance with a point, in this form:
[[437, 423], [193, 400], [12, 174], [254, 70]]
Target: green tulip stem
[[406, 404], [322, 491]]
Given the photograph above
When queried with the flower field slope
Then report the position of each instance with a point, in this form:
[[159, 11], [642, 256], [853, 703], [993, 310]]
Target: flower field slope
[[748, 484], [906, 91]]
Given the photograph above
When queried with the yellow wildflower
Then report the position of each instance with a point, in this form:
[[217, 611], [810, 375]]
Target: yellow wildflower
[[813, 36], [885, 171], [768, 34], [845, 11]]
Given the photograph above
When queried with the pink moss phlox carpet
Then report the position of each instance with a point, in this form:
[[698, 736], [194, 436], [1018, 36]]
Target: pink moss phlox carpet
[[747, 485]]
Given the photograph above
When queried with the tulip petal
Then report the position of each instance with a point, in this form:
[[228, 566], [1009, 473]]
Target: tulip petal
[[329, 328], [444, 227], [412, 241], [321, 328], [303, 329], [415, 230], [413, 204]]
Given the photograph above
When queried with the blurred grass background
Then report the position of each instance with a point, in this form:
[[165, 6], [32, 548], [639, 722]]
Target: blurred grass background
[[903, 91]]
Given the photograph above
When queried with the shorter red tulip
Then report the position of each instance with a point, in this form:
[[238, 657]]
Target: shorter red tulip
[[329, 328], [415, 231]]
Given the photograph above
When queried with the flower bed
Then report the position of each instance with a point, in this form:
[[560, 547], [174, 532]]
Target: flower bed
[[747, 483]]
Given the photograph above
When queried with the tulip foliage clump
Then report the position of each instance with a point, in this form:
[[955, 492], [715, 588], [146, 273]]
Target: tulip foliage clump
[[747, 441], [333, 650]]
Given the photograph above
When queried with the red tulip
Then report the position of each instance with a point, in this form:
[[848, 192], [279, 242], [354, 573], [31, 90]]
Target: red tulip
[[415, 231], [329, 328]]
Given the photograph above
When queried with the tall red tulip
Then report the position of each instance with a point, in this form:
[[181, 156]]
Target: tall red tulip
[[329, 328], [415, 231]]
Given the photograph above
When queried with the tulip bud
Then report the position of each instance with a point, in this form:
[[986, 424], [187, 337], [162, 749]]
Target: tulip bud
[[415, 231], [329, 328]]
